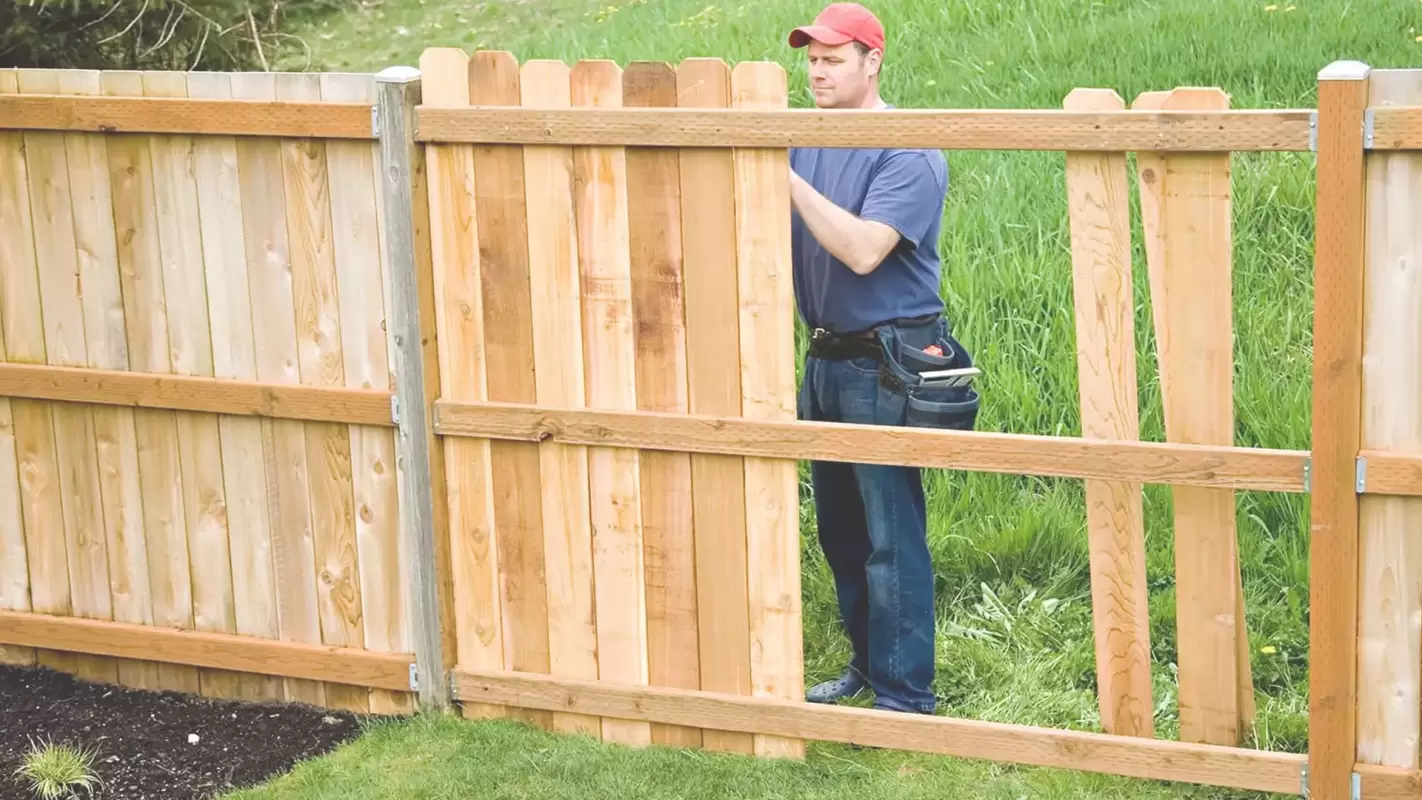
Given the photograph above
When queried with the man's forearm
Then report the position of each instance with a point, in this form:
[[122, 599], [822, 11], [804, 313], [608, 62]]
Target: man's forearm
[[860, 244]]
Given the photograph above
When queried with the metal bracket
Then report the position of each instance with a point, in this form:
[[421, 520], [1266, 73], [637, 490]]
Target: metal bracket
[[375, 121], [395, 408], [1303, 780], [1360, 474], [1313, 130], [1368, 129], [414, 678], [1308, 475], [1355, 788]]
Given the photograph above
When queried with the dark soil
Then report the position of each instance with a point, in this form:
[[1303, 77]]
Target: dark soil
[[142, 738]]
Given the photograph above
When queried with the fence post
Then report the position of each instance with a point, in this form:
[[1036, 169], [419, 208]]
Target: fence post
[[398, 92], [1337, 403]]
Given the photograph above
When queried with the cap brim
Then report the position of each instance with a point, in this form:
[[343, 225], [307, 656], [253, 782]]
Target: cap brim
[[802, 35]]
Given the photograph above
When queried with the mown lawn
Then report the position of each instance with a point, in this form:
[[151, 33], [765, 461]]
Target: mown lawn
[[1015, 640]]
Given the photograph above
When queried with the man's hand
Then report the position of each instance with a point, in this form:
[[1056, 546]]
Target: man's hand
[[860, 243]]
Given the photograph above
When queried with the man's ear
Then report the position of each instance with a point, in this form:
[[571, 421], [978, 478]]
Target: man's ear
[[874, 61]]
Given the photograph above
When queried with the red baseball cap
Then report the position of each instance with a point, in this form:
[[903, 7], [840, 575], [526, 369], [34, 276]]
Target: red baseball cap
[[840, 23]]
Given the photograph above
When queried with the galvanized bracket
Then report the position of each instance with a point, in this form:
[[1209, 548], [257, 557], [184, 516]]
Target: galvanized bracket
[[395, 408], [1308, 475], [1360, 474], [1355, 789], [1368, 129], [375, 121], [1303, 780], [1313, 130], [414, 677]]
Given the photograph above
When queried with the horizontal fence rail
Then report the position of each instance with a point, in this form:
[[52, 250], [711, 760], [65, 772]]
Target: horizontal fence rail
[[189, 393], [1136, 757], [950, 129], [1059, 456], [236, 653], [170, 115]]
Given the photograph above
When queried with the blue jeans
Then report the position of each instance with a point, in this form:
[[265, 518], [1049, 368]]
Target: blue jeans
[[873, 529]]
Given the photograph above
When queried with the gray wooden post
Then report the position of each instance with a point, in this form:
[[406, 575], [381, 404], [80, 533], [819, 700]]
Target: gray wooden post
[[398, 90]]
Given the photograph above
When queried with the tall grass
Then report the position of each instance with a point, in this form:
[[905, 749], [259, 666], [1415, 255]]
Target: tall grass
[[1015, 641]]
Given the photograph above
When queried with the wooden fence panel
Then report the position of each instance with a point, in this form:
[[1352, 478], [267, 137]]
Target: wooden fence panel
[[1389, 687], [212, 257], [1098, 202], [1185, 206]]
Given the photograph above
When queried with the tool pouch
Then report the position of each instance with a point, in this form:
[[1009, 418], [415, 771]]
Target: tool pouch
[[906, 399]]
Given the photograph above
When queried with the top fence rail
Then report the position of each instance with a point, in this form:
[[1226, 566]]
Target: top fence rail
[[1397, 128]]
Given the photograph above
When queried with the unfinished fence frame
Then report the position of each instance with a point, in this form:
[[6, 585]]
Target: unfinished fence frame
[[1356, 463]]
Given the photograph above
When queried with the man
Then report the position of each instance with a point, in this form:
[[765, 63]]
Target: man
[[866, 271]]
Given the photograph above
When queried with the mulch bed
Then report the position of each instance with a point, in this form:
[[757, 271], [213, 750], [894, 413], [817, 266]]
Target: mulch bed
[[143, 738]]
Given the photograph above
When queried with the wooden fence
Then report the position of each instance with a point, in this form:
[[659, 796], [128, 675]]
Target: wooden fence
[[511, 346]]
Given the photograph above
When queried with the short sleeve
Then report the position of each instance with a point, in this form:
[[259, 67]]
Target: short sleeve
[[907, 193]]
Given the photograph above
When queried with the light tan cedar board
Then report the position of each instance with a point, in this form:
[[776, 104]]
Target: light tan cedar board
[[1098, 199], [459, 316], [339, 594], [658, 310], [1389, 549], [216, 168], [558, 370], [75, 442], [106, 345], [714, 387], [190, 344], [600, 200], [499, 204], [23, 425], [1185, 209], [767, 354], [357, 226]]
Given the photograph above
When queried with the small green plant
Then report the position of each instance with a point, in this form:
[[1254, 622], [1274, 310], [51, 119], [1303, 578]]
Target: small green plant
[[58, 770]]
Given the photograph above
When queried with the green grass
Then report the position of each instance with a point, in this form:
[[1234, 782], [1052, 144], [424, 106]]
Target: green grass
[[443, 758], [1015, 638]]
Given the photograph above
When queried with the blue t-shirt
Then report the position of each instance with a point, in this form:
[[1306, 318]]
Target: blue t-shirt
[[902, 188]]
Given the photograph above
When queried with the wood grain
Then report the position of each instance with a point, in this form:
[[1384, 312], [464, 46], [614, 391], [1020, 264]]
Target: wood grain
[[197, 393], [1389, 579], [106, 346], [224, 653], [768, 387], [61, 307], [178, 115], [1217, 466], [320, 360], [951, 129], [713, 367], [609, 348], [1339, 265], [1151, 759], [1098, 201], [459, 318], [269, 287], [1189, 224], [556, 295], [508, 345], [356, 229], [199, 448], [658, 312], [234, 356], [22, 338]]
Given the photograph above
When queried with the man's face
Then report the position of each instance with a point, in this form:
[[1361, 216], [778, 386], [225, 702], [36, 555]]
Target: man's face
[[840, 76]]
